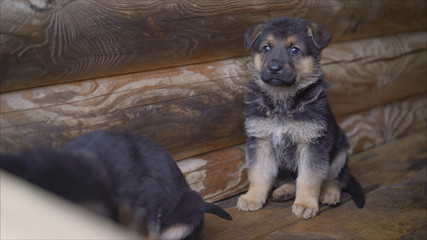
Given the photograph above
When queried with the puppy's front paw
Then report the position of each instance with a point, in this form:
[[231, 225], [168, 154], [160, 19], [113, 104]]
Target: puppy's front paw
[[306, 209], [284, 192], [245, 203]]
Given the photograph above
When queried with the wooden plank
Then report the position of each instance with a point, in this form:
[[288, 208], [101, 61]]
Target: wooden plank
[[201, 105], [393, 176], [218, 174], [47, 42], [390, 213], [387, 122], [367, 129], [188, 110], [375, 71]]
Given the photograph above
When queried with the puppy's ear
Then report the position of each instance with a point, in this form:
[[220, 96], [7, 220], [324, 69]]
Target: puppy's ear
[[217, 210], [320, 36], [251, 35]]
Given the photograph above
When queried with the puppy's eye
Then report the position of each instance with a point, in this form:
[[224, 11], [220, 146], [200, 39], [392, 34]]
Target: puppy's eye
[[295, 51], [266, 48]]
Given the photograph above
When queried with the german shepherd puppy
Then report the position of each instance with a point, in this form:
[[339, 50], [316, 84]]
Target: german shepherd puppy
[[294, 141], [147, 189]]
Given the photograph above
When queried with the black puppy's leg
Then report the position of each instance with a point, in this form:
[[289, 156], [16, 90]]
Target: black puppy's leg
[[309, 181], [262, 173]]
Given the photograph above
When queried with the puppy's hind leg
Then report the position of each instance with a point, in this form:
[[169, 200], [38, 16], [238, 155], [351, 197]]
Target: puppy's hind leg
[[330, 193], [262, 172], [331, 188]]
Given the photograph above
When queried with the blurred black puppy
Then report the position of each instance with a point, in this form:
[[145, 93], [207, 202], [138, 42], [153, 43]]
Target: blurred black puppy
[[148, 190]]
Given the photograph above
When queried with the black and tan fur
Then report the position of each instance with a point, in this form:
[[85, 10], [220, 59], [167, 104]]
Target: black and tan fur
[[294, 141]]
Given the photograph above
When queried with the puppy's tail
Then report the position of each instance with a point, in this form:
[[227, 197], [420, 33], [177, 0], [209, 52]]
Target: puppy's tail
[[217, 210], [356, 192]]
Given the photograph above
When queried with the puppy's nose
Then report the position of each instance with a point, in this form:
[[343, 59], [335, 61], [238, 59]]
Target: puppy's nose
[[274, 68]]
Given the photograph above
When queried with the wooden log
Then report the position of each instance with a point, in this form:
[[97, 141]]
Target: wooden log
[[385, 123], [188, 110], [196, 109], [218, 174], [222, 173], [375, 71], [393, 176], [48, 42]]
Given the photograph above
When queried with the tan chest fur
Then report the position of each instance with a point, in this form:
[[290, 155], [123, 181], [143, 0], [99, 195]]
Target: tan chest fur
[[276, 129]]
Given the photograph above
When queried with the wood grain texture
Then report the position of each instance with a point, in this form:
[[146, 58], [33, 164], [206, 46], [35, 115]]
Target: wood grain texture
[[196, 109], [375, 71], [188, 110], [365, 130], [217, 174], [382, 124], [393, 176], [48, 42]]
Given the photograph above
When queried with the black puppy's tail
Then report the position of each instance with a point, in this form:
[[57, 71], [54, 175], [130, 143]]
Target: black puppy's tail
[[217, 210], [356, 192]]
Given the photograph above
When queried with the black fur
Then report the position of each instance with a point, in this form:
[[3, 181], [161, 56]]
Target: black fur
[[356, 191], [145, 181], [353, 187]]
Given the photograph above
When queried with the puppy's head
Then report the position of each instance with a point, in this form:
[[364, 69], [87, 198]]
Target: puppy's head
[[286, 52]]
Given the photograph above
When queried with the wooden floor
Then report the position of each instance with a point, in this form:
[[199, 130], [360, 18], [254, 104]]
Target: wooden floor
[[394, 177]]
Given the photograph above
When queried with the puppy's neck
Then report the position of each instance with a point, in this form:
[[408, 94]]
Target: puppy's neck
[[288, 102]]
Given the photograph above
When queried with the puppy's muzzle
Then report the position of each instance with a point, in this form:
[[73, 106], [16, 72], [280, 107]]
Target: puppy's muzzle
[[277, 74]]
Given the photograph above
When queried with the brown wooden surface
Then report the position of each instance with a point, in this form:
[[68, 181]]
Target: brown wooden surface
[[394, 178], [374, 71], [202, 104], [381, 124], [223, 173], [48, 42], [187, 110], [218, 174]]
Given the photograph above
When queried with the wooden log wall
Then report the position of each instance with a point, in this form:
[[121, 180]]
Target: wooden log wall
[[48, 42], [202, 104], [63, 64]]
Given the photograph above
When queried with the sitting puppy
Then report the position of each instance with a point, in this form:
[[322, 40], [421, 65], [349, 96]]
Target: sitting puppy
[[293, 138], [148, 190]]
